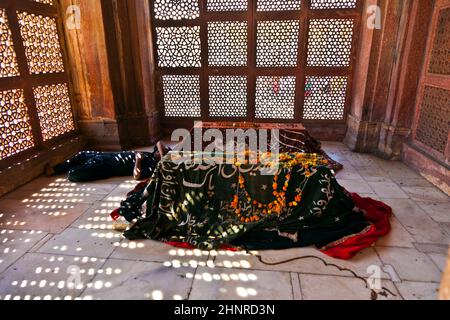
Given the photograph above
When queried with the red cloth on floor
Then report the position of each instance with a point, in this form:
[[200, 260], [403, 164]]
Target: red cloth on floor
[[115, 215], [378, 214]]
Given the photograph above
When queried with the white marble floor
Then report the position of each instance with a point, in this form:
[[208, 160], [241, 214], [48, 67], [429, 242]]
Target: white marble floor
[[56, 242]]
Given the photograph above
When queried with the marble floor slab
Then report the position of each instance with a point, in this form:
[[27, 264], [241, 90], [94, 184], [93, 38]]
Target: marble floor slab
[[57, 242]]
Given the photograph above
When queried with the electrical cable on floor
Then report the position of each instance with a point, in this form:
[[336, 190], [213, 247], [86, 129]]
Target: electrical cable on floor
[[374, 294]]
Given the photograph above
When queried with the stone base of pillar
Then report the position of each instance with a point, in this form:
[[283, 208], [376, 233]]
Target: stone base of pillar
[[138, 130], [384, 140], [101, 134], [391, 141], [326, 132], [124, 134], [434, 171], [362, 136]]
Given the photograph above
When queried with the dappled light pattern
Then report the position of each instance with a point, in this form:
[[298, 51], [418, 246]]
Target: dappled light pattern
[[42, 197], [13, 244], [100, 219], [51, 277], [67, 269], [63, 276], [191, 257], [50, 206]]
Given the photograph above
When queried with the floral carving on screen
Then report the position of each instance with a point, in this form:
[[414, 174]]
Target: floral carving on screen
[[54, 110], [15, 129]]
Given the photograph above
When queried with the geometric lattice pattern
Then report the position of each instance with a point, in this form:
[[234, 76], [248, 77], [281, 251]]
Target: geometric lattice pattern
[[325, 98], [15, 130], [228, 96], [176, 10], [41, 42], [434, 118], [440, 54], [333, 4], [181, 95], [8, 59], [179, 47], [277, 5], [54, 110], [275, 97], [50, 2], [330, 42], [227, 43], [227, 5], [277, 43]]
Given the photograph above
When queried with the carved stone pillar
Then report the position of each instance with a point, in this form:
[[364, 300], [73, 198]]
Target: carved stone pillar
[[386, 78], [86, 46], [413, 33], [129, 43], [112, 72]]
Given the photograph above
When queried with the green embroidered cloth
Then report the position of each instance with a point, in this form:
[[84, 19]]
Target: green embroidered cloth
[[208, 204]]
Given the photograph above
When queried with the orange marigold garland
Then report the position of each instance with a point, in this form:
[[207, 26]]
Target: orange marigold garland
[[260, 210]]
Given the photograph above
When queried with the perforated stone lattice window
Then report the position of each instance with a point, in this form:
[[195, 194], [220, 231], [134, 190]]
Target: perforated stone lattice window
[[227, 5], [228, 96], [15, 129], [333, 4], [54, 110], [179, 47], [440, 54], [181, 95], [275, 97], [274, 49], [41, 42], [325, 98], [330, 42], [278, 5], [34, 106], [277, 43], [227, 43], [176, 9], [434, 118], [8, 58]]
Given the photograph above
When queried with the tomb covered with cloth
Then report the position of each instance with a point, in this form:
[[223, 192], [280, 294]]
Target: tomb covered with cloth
[[196, 199]]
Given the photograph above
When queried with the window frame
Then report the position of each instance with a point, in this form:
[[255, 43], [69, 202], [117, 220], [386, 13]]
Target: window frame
[[26, 81], [252, 16]]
